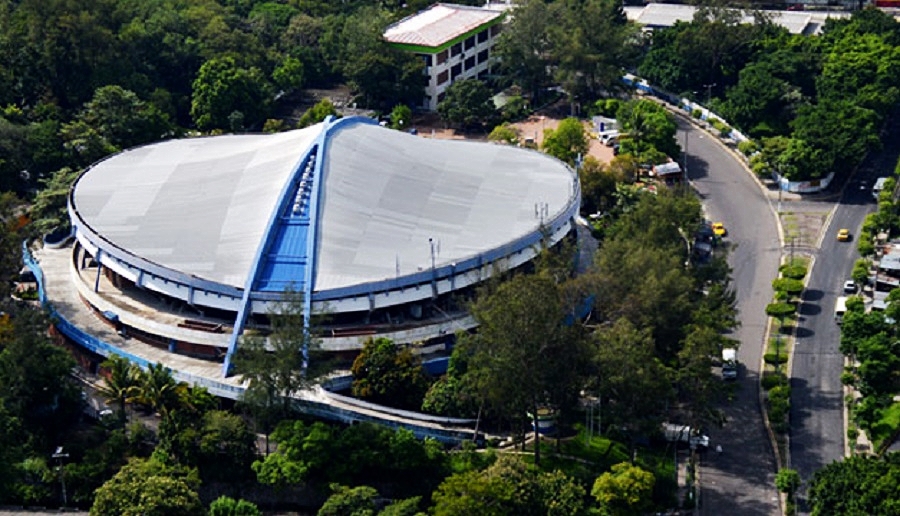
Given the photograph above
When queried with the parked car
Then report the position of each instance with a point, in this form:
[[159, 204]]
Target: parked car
[[719, 229], [850, 287]]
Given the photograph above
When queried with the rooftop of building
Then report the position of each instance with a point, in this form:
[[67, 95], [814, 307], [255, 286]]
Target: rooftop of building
[[391, 204], [796, 22], [440, 24]]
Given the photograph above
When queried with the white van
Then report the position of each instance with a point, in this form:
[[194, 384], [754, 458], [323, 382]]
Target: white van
[[729, 364], [683, 434], [606, 136], [879, 186], [840, 308]]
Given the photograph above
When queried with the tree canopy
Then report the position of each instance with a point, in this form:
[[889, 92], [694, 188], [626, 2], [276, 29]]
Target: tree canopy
[[856, 485], [151, 488]]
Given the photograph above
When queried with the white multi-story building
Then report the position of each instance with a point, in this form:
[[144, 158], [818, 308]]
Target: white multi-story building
[[455, 42]]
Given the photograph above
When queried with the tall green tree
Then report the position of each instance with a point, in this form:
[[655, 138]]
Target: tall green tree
[[50, 208], [567, 142], [703, 57], [524, 48], [149, 488], [648, 131], [626, 489], [114, 119], [120, 383], [522, 347], [279, 365], [386, 373], [222, 88], [221, 446], [856, 485], [632, 383], [35, 385], [355, 501], [509, 486], [157, 389], [592, 48], [468, 104], [640, 274]]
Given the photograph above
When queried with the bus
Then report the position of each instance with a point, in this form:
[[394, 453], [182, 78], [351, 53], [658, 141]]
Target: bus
[[840, 308]]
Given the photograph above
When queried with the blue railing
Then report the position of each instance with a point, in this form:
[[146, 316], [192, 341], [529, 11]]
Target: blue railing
[[315, 408], [96, 345]]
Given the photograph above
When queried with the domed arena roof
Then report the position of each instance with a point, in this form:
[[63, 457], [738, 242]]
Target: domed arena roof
[[349, 204]]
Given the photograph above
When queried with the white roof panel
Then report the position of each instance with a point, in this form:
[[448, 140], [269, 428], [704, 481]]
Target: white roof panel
[[665, 15], [387, 193], [198, 206], [439, 24]]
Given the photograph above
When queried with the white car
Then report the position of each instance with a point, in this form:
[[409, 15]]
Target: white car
[[850, 287]]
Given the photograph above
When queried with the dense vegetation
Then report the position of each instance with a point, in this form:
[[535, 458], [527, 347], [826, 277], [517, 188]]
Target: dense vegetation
[[816, 104], [80, 80], [857, 485], [869, 338]]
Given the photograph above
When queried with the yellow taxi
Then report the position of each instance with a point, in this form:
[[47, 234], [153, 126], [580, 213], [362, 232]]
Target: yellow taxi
[[843, 235], [719, 229]]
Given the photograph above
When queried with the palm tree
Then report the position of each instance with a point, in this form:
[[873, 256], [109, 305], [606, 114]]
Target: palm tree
[[158, 389], [120, 384]]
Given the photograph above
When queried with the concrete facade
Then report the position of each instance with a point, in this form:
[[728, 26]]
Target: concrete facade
[[455, 42]]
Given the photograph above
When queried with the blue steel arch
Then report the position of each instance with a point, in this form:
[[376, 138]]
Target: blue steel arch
[[285, 257]]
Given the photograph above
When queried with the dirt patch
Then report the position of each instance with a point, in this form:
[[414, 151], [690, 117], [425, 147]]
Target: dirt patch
[[803, 227], [531, 129]]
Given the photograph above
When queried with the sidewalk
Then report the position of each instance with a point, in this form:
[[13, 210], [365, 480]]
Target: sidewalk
[[687, 483]]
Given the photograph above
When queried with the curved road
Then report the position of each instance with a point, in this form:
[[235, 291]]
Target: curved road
[[740, 481]]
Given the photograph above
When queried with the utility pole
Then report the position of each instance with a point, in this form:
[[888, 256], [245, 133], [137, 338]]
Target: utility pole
[[779, 195], [59, 455], [709, 88]]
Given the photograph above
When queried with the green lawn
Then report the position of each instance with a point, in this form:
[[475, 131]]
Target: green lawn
[[885, 427]]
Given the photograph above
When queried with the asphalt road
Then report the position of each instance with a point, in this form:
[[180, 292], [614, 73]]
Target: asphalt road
[[817, 419], [740, 481]]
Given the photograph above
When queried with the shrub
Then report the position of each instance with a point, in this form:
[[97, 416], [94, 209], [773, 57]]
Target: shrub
[[504, 133], [317, 113], [771, 380], [780, 309], [516, 108], [775, 358], [698, 113], [747, 147], [779, 401], [759, 165], [722, 127], [607, 107], [274, 125], [790, 508], [790, 285], [848, 378], [797, 272], [865, 246]]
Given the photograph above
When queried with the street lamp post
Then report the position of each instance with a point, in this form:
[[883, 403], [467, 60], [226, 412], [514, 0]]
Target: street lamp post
[[687, 245], [59, 455], [709, 88]]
